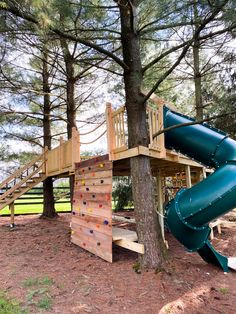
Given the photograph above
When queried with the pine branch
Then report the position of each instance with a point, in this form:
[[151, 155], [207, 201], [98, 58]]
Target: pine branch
[[30, 18]]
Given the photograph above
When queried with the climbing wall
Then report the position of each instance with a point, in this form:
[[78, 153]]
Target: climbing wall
[[91, 225]]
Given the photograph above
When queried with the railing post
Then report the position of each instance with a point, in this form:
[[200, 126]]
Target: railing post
[[161, 127], [45, 157], [110, 131], [75, 148], [60, 157]]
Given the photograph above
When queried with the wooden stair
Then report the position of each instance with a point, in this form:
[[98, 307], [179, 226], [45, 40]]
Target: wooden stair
[[23, 180]]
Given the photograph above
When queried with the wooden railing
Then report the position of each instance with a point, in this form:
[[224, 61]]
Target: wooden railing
[[117, 131], [24, 172], [62, 158], [58, 161]]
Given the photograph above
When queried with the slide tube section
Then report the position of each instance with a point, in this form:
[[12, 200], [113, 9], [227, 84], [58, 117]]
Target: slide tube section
[[189, 213]]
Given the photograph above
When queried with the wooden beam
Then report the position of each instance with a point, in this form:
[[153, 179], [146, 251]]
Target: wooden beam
[[132, 246], [123, 219], [120, 233], [125, 238]]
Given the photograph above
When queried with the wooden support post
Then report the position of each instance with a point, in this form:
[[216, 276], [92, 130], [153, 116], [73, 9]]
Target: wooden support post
[[204, 173], [12, 219], [199, 175], [188, 177], [110, 131], [160, 205]]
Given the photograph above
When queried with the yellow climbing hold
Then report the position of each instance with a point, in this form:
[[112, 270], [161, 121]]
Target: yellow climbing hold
[[101, 165], [72, 232], [82, 182], [90, 210]]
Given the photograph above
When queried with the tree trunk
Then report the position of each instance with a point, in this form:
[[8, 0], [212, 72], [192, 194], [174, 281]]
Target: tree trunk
[[48, 196], [70, 99], [148, 228], [197, 72]]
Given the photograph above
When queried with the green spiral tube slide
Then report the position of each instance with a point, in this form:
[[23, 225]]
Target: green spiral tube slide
[[189, 213]]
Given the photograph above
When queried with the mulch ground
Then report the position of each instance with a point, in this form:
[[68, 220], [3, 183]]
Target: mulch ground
[[37, 261]]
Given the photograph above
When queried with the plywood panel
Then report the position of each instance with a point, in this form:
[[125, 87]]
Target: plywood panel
[[101, 224], [92, 207], [102, 251], [99, 208], [93, 181], [94, 175], [92, 196]]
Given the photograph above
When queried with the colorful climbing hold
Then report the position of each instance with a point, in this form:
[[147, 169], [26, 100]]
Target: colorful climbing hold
[[97, 225], [73, 213], [91, 231], [90, 210], [84, 202], [98, 243], [81, 196], [93, 174], [100, 205], [72, 232], [101, 165], [89, 168], [84, 244], [87, 189], [94, 196], [106, 222], [83, 182], [102, 181]]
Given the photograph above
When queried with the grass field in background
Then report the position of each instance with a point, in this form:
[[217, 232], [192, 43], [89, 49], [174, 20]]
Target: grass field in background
[[30, 208]]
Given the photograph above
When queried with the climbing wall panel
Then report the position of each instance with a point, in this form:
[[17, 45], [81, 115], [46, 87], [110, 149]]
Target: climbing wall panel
[[91, 225]]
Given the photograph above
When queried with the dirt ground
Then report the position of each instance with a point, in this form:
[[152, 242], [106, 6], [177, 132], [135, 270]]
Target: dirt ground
[[38, 262]]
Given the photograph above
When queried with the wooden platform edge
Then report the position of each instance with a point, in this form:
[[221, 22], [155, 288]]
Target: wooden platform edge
[[130, 245], [126, 238]]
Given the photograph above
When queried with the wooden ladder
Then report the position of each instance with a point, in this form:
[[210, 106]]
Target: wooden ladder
[[22, 181]]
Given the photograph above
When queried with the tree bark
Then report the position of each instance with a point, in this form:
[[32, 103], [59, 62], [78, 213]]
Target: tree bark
[[48, 196], [70, 99], [197, 72], [148, 228]]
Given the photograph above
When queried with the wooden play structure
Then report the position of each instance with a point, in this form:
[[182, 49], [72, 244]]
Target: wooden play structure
[[91, 223]]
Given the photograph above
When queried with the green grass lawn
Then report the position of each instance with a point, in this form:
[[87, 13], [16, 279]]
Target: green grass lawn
[[22, 208]]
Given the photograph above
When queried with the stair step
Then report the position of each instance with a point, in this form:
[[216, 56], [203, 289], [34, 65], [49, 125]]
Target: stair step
[[17, 191], [30, 182]]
